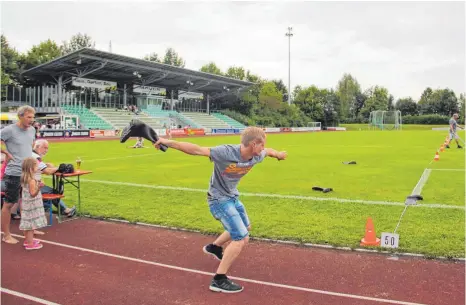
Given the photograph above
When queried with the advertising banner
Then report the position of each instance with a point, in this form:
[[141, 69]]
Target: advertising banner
[[225, 131], [149, 90], [93, 83], [178, 132], [191, 95], [336, 128], [195, 131], [51, 133], [102, 133]]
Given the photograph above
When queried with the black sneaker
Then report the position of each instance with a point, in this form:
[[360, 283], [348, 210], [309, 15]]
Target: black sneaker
[[214, 250], [448, 146], [225, 285], [459, 146]]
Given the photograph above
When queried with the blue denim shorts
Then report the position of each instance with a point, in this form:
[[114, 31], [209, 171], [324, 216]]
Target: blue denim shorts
[[453, 135], [232, 214]]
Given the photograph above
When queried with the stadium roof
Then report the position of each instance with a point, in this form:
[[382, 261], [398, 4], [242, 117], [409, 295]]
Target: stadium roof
[[96, 64]]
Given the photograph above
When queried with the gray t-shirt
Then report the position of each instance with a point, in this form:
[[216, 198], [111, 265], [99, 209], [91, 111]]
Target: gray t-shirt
[[19, 143], [229, 168], [453, 122]]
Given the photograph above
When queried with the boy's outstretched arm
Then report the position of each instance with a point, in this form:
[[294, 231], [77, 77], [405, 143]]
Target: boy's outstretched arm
[[187, 148], [279, 155]]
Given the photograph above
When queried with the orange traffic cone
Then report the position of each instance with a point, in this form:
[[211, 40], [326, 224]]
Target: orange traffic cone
[[369, 238], [437, 156], [442, 148]]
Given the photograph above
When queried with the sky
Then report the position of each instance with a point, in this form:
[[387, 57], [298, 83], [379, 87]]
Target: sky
[[403, 46]]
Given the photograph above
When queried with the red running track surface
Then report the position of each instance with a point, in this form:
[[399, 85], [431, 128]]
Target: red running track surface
[[116, 263]]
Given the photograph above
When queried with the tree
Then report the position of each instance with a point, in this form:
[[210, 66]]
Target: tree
[[77, 42], [311, 102], [331, 107], [173, 59], [269, 96], [236, 73], [391, 104], [441, 101], [152, 57], [9, 65], [377, 99], [407, 106], [358, 104], [426, 102], [347, 90], [445, 102], [253, 78], [282, 88], [42, 53], [462, 105], [211, 68]]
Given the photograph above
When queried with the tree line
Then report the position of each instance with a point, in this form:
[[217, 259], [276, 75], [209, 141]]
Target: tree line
[[265, 102]]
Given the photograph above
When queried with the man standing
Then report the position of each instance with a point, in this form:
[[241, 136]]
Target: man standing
[[231, 163], [453, 125], [18, 139]]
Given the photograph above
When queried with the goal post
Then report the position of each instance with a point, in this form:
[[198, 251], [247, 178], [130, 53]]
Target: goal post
[[315, 126], [385, 120]]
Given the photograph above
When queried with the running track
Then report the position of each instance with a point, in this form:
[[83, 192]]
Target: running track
[[89, 261]]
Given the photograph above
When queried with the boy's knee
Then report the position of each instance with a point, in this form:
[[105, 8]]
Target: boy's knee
[[242, 242]]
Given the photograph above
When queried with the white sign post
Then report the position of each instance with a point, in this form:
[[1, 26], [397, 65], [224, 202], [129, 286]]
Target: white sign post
[[389, 240]]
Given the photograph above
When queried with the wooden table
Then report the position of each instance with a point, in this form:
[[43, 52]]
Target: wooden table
[[59, 179]]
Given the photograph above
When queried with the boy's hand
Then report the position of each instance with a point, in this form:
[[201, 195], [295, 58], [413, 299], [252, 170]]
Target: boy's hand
[[160, 142], [282, 155]]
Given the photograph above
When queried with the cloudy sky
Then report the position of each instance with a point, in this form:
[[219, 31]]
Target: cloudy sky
[[404, 46]]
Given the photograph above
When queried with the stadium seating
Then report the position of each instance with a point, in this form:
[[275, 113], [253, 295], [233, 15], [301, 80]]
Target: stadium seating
[[87, 117], [206, 121], [157, 112], [233, 123], [120, 118]]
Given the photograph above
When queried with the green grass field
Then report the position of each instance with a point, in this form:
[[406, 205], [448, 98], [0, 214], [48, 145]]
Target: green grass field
[[389, 165]]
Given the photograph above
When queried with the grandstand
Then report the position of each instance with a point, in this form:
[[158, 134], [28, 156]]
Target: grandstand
[[97, 86], [204, 120], [121, 118], [87, 117], [231, 122], [170, 117]]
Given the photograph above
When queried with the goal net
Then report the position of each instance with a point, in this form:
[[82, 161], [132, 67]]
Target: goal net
[[314, 126], [385, 120]]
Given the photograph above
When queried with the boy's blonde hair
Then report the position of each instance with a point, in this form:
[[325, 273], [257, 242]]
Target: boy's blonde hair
[[251, 134], [27, 173]]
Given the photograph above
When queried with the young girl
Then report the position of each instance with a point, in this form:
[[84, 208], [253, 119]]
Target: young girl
[[32, 209]]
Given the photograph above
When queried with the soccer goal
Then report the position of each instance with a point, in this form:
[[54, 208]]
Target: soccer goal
[[314, 126], [385, 120]]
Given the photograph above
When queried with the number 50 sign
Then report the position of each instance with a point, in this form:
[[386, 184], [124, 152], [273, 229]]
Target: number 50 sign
[[389, 240]]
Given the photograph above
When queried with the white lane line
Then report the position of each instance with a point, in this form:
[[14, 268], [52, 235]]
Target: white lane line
[[448, 169], [272, 284], [27, 296], [340, 200], [422, 181], [116, 158]]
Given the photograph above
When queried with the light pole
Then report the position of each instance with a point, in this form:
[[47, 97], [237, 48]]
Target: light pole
[[289, 34]]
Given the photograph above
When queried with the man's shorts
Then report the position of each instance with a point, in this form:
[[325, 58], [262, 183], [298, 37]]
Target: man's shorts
[[12, 188], [453, 135], [232, 215]]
